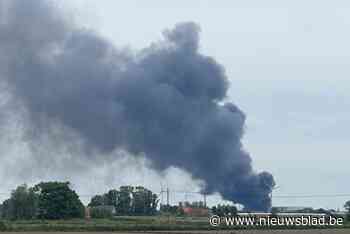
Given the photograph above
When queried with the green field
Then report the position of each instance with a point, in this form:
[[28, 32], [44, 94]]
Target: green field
[[123, 223], [114, 224]]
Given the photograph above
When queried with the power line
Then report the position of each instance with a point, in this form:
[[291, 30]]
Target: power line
[[201, 193], [313, 196], [278, 196]]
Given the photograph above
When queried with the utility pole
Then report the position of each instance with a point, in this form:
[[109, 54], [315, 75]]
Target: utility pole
[[167, 202], [205, 200], [161, 194], [167, 196]]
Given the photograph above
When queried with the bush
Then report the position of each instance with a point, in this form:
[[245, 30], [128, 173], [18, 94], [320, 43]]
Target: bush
[[3, 226], [100, 213]]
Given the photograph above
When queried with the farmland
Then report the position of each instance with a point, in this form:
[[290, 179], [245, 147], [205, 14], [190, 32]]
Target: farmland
[[330, 231], [150, 224]]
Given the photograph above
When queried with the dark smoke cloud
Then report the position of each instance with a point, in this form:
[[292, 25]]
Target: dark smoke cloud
[[165, 102]]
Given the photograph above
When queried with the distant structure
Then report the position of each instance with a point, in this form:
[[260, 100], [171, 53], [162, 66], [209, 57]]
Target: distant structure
[[87, 212], [292, 209], [104, 208], [197, 208]]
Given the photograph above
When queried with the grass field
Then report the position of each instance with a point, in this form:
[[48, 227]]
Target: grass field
[[328, 231], [132, 224]]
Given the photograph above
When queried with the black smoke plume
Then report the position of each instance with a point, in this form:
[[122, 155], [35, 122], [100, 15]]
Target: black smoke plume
[[165, 102]]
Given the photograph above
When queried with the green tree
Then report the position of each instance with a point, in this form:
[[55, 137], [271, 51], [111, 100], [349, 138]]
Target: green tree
[[274, 212], [21, 205], [172, 210], [124, 200], [139, 202], [128, 200], [58, 201], [144, 201], [7, 210], [347, 207], [3, 226], [111, 197], [224, 210], [98, 200], [107, 199]]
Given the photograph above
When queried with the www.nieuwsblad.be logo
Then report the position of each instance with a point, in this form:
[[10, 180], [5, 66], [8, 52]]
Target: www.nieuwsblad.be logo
[[269, 221]]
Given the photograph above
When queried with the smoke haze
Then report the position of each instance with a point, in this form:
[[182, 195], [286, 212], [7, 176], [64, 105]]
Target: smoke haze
[[166, 103]]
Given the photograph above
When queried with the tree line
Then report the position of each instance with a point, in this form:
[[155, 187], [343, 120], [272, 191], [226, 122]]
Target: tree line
[[57, 200], [128, 200], [46, 200]]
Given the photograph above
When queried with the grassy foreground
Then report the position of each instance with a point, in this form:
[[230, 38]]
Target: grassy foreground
[[129, 223], [124, 223]]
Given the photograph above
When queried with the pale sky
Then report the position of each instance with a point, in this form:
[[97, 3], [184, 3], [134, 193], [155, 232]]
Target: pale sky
[[289, 67]]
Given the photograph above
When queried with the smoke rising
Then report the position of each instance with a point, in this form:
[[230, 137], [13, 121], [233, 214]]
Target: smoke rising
[[166, 102]]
